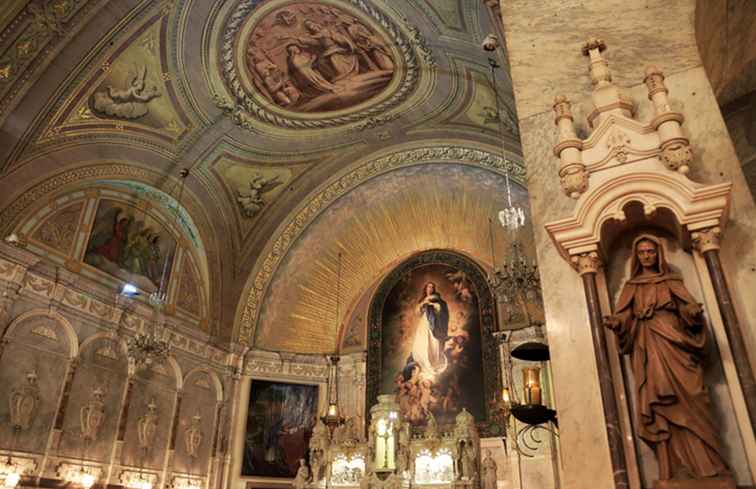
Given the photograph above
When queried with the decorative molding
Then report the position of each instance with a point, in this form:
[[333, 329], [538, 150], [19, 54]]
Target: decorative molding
[[134, 478], [203, 381], [291, 230], [707, 239], [72, 472], [41, 29], [45, 332], [589, 262], [107, 352]]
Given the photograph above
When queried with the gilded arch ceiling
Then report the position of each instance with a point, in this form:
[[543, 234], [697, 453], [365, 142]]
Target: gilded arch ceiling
[[147, 86]]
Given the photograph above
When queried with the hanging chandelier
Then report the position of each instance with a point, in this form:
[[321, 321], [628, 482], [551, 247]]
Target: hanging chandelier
[[148, 348], [516, 278], [333, 417], [511, 217]]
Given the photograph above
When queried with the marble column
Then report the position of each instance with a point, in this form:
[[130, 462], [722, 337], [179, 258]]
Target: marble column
[[707, 243], [543, 40], [588, 265]]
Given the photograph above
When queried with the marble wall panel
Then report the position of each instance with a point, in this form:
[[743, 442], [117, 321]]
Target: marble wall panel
[[158, 384], [38, 344], [199, 398], [102, 364]]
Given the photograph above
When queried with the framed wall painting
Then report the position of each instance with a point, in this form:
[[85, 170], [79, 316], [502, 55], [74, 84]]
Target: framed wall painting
[[430, 341], [280, 419], [131, 245]]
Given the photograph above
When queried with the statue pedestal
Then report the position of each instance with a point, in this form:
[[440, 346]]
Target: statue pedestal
[[711, 483]]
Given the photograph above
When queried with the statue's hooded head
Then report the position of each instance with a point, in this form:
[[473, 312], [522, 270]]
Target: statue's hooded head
[[641, 246]]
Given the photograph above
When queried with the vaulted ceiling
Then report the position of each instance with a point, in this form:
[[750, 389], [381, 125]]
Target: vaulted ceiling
[[311, 128]]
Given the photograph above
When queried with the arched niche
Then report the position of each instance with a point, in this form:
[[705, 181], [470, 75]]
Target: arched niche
[[102, 365], [122, 231], [396, 345], [202, 394], [159, 384], [42, 343], [617, 271]]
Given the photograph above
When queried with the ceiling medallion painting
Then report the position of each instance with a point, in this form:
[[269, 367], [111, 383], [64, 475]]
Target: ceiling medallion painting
[[307, 64]]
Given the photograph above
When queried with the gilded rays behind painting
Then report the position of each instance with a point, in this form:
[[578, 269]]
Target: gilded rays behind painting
[[279, 426], [431, 348], [131, 245]]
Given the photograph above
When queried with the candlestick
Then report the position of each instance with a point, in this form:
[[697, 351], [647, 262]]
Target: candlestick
[[531, 378]]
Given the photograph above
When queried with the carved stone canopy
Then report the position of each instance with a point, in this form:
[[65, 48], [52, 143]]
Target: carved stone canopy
[[626, 162]]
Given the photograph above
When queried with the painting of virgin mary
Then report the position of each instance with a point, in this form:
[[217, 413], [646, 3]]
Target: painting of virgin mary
[[431, 345]]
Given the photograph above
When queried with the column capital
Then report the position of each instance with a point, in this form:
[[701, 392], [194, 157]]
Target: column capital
[[707, 239], [588, 262]]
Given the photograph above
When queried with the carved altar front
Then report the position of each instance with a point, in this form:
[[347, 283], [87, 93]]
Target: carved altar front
[[394, 455]]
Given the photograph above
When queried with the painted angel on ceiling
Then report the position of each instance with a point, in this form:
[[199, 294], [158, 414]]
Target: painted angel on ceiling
[[251, 200]]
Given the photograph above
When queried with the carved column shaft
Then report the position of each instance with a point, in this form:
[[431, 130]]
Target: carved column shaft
[[588, 267], [123, 416], [61, 414], [174, 424], [707, 243]]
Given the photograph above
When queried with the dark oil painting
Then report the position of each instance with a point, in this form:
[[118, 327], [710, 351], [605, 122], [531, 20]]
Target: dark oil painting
[[279, 426], [131, 245]]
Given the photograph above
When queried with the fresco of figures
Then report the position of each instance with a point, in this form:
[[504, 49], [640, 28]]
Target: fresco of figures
[[280, 421], [310, 57], [131, 246], [431, 352]]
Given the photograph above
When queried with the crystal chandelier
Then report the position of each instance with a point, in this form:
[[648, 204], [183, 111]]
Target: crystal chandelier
[[146, 349], [513, 216]]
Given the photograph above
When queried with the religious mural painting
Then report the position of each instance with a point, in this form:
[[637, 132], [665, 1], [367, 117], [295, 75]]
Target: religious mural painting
[[130, 245], [280, 420], [427, 339], [313, 57]]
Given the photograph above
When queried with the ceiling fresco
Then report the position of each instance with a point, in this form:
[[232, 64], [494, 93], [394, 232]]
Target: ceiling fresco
[[281, 109]]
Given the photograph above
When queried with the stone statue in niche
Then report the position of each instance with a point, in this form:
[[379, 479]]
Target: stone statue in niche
[[467, 460], [23, 401], [303, 475], [431, 428], [127, 103], [251, 201], [660, 324], [193, 436], [147, 426], [318, 446], [308, 57], [488, 471]]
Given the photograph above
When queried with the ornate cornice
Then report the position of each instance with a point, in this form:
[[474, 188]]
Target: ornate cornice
[[292, 229]]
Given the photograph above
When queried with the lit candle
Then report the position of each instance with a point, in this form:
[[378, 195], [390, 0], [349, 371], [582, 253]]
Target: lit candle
[[505, 395], [531, 378], [333, 410]]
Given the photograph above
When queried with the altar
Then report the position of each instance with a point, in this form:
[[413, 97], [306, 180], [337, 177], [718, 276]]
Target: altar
[[393, 455]]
